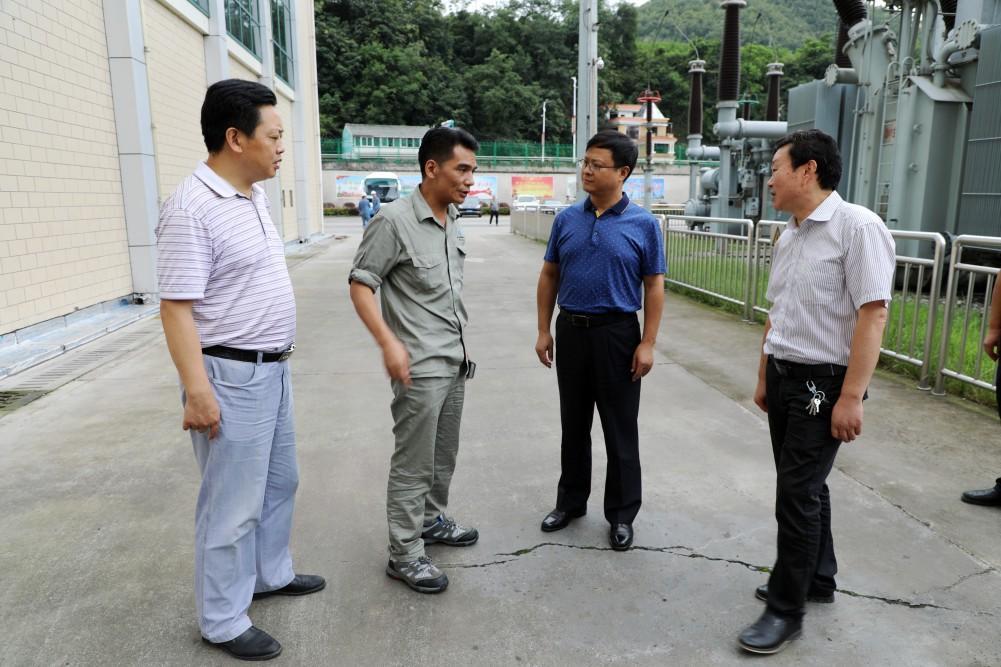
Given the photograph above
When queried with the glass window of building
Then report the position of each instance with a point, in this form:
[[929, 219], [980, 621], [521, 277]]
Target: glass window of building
[[202, 5], [281, 39], [243, 23]]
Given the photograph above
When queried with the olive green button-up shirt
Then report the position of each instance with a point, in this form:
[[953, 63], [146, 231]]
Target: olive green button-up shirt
[[418, 264]]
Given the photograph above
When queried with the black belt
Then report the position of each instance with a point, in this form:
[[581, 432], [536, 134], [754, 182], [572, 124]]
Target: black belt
[[591, 320], [790, 369], [236, 354]]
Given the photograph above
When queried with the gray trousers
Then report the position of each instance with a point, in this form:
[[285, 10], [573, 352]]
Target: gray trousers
[[426, 419], [243, 517]]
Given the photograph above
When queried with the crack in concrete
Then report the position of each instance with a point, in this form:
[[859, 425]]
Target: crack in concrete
[[896, 601], [913, 517], [687, 552], [966, 577]]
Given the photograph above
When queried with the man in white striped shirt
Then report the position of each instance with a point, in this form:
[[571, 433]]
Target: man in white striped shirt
[[228, 315], [830, 283]]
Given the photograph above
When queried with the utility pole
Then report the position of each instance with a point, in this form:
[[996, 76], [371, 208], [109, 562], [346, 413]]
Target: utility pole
[[544, 103], [648, 97], [573, 120], [588, 64]]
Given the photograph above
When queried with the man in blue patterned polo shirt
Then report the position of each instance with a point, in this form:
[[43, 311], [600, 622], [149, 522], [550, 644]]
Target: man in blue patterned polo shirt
[[604, 261]]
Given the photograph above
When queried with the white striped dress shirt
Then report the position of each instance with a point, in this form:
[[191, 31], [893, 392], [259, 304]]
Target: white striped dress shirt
[[220, 249], [838, 259]]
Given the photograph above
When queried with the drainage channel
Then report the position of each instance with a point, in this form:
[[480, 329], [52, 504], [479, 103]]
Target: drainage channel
[[23, 388]]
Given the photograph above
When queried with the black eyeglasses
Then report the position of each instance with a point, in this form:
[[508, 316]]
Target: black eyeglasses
[[584, 163]]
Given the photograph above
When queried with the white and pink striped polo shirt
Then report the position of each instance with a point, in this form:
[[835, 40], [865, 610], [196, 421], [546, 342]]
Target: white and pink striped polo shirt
[[220, 249]]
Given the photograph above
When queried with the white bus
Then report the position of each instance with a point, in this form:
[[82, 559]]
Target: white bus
[[386, 183]]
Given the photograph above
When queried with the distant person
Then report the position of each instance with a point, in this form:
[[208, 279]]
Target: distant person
[[365, 210], [992, 345], [414, 256], [228, 314], [604, 261], [376, 203], [830, 284], [494, 211]]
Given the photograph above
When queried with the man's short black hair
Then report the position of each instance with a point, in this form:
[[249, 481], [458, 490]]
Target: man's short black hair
[[232, 103], [439, 144], [806, 145], [624, 150]]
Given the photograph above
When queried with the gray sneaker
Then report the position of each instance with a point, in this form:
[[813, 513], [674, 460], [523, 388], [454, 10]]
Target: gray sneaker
[[421, 574], [447, 531]]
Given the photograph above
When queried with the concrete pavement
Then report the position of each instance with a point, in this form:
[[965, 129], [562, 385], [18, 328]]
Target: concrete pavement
[[99, 484]]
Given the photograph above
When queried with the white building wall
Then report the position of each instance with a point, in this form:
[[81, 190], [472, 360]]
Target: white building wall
[[63, 243], [175, 61]]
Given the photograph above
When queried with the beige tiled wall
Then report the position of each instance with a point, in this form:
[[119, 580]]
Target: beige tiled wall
[[238, 70], [62, 230], [175, 63], [63, 241]]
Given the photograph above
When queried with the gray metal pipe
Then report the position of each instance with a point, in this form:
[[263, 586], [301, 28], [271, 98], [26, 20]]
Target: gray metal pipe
[[700, 152], [942, 61], [739, 128]]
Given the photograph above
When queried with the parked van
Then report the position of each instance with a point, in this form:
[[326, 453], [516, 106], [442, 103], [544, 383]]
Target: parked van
[[386, 183]]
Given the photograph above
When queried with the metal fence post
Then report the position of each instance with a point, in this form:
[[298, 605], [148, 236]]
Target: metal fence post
[[933, 294], [950, 296], [748, 289]]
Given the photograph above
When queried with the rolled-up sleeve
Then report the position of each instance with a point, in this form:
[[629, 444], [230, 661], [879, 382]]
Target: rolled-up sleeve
[[377, 254]]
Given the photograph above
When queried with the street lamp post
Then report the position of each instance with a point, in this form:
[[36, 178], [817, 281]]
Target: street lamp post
[[573, 119], [544, 103]]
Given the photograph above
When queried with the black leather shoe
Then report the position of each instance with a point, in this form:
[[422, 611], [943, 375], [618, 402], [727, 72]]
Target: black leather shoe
[[558, 519], [253, 644], [770, 633], [301, 584], [761, 592], [989, 497], [620, 536]]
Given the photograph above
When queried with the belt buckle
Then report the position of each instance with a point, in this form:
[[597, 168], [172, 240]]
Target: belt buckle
[[287, 353], [584, 321]]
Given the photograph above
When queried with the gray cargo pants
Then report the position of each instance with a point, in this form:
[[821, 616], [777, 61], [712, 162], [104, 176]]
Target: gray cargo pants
[[426, 419]]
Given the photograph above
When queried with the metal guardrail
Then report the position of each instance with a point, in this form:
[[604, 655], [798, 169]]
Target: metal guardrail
[[971, 310], [733, 265], [912, 275], [534, 222], [712, 263], [914, 313]]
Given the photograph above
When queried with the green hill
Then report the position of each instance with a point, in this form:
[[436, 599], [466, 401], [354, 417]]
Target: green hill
[[785, 23]]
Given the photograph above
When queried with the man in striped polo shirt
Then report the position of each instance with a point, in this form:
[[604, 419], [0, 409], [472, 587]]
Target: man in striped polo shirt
[[228, 314], [830, 283]]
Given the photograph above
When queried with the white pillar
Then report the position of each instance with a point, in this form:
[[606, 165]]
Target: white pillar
[[134, 129], [216, 44], [305, 53]]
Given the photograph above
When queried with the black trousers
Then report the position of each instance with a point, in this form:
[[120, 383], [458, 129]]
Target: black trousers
[[593, 369], [804, 452], [494, 215]]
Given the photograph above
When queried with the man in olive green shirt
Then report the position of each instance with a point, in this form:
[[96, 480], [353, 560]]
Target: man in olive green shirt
[[414, 252]]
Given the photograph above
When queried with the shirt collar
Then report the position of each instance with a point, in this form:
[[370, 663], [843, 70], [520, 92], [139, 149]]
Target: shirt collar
[[423, 210], [827, 208], [218, 184], [619, 207]]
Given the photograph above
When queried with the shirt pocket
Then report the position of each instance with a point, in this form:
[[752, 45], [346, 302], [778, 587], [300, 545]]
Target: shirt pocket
[[429, 271], [821, 282]]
